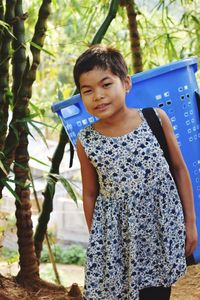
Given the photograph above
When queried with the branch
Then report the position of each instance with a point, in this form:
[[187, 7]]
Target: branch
[[106, 23]]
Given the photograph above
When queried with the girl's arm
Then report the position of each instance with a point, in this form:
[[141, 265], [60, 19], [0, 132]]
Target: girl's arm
[[89, 183], [183, 183]]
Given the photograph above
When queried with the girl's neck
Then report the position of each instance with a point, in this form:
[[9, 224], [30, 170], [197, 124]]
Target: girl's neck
[[117, 119], [120, 124]]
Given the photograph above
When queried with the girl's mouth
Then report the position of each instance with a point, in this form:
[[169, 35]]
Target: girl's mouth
[[102, 107]]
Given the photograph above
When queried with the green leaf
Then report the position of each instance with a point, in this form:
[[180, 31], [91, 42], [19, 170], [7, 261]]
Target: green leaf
[[40, 133], [55, 4], [39, 161], [42, 123], [39, 111], [66, 185], [11, 190], [26, 119], [20, 165], [7, 27], [195, 19], [76, 5], [90, 22], [41, 49], [3, 168]]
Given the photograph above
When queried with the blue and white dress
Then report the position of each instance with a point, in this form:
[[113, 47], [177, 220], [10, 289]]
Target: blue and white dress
[[137, 238]]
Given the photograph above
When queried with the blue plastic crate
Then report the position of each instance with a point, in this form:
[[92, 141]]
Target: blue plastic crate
[[172, 87]]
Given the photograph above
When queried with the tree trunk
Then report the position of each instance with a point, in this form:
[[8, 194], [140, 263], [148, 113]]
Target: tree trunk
[[19, 55], [16, 142], [4, 66], [29, 267], [28, 262], [134, 35]]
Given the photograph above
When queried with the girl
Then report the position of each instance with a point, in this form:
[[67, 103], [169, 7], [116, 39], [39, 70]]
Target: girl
[[140, 230]]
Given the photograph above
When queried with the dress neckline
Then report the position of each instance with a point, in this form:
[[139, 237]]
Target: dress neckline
[[123, 135]]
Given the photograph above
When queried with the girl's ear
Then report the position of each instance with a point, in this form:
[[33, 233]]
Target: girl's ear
[[127, 83]]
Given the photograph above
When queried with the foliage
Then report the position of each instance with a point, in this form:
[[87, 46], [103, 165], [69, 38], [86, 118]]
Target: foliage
[[168, 32], [73, 254], [48, 274], [8, 255]]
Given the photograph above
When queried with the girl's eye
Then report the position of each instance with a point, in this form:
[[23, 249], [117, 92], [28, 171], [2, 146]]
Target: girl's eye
[[86, 92], [107, 84]]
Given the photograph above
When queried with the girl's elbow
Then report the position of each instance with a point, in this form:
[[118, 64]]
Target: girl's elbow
[[90, 196]]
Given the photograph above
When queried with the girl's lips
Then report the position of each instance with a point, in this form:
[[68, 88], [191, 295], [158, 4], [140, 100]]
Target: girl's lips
[[102, 107]]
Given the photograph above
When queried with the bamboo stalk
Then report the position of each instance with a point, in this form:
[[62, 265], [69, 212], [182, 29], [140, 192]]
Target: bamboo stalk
[[4, 67], [27, 259], [19, 55], [48, 194], [20, 109], [21, 168], [134, 35], [106, 23], [2, 19], [51, 255]]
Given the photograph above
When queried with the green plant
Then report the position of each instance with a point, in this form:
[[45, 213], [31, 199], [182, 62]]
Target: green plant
[[10, 256], [48, 274], [73, 254]]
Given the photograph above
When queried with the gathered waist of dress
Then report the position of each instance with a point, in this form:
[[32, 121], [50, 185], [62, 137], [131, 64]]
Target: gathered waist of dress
[[116, 194]]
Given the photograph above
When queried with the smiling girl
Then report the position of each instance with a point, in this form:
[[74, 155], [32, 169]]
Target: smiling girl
[[141, 221]]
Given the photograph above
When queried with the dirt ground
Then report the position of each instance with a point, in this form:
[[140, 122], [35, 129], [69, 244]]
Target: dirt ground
[[186, 288]]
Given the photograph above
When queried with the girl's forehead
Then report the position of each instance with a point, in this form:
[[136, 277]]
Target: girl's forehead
[[96, 75]]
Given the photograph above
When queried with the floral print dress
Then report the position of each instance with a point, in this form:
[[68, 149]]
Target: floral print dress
[[137, 238]]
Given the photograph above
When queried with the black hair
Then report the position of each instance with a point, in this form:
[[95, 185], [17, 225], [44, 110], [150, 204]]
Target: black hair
[[102, 57]]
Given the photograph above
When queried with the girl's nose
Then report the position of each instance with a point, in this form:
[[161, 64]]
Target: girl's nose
[[97, 96]]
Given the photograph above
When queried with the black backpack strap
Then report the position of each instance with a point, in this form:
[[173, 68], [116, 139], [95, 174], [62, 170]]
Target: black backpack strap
[[156, 127]]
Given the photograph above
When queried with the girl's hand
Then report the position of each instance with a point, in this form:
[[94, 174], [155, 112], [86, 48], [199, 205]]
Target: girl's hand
[[191, 238]]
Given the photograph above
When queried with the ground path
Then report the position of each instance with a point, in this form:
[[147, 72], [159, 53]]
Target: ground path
[[187, 288]]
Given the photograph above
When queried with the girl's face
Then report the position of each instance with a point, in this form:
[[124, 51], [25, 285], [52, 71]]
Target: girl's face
[[103, 93]]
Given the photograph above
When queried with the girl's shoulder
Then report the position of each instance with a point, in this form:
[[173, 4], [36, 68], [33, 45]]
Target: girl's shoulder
[[85, 133]]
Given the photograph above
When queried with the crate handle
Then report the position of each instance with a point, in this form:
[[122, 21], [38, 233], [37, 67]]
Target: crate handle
[[197, 95]]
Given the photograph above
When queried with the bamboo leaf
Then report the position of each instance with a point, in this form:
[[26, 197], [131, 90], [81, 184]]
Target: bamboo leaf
[[39, 111], [27, 118], [39, 161], [20, 165], [10, 189], [3, 168], [66, 185], [41, 48], [76, 6], [89, 23], [42, 123], [39, 132], [55, 4], [6, 26], [195, 19]]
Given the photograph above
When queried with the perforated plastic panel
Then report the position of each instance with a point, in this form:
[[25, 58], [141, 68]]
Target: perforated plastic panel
[[173, 88]]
